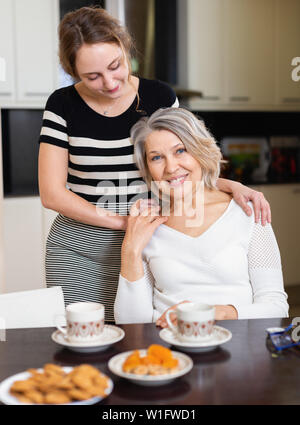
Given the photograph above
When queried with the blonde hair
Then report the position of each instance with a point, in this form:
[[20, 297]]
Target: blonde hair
[[190, 130]]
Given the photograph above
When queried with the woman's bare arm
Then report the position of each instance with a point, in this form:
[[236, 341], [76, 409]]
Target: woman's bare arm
[[53, 172], [242, 194]]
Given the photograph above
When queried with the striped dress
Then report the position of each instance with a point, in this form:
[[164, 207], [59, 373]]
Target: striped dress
[[83, 259]]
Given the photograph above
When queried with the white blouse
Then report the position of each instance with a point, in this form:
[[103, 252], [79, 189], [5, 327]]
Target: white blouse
[[235, 261]]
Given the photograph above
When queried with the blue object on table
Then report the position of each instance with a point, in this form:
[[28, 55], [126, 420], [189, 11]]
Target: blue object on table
[[281, 339]]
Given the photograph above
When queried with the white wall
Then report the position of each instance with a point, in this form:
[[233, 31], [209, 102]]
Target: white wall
[[2, 277]]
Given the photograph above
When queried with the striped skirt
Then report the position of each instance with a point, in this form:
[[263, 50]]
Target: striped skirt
[[85, 261]]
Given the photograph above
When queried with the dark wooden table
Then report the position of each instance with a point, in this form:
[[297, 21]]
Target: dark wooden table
[[242, 371]]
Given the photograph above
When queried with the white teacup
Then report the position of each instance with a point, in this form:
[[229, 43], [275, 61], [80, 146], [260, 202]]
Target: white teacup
[[195, 322], [85, 322]]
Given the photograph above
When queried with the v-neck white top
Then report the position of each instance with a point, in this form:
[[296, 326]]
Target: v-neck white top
[[234, 262]]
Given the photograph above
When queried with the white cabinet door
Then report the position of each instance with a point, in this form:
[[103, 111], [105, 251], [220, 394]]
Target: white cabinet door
[[238, 45], [36, 49], [249, 52], [23, 244], [285, 208], [239, 53], [262, 52], [7, 87], [205, 50], [288, 47]]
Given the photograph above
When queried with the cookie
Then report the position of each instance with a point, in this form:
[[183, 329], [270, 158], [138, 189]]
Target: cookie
[[54, 386], [57, 397], [35, 396], [22, 386], [78, 394]]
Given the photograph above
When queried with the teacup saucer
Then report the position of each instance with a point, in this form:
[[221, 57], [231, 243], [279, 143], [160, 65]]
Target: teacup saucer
[[111, 334], [219, 336]]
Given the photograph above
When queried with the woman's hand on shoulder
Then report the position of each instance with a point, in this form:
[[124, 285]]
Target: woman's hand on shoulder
[[142, 221], [243, 194]]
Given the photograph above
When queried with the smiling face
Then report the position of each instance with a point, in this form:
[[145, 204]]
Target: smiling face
[[103, 69], [176, 170]]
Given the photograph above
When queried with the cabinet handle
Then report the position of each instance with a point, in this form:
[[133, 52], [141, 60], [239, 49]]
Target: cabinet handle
[[36, 94], [210, 98], [240, 98], [291, 99], [5, 94], [296, 191]]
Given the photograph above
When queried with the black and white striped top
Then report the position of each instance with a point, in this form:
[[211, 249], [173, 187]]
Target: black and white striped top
[[101, 167]]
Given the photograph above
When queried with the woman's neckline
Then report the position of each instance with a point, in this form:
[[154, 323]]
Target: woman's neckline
[[106, 116], [229, 206]]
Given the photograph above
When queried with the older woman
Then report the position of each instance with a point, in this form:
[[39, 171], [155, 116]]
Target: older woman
[[201, 247]]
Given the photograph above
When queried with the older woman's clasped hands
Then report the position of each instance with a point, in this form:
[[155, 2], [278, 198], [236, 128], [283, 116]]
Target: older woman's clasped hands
[[143, 220]]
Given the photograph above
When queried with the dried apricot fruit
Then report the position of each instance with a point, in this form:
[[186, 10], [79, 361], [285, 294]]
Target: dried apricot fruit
[[159, 351]]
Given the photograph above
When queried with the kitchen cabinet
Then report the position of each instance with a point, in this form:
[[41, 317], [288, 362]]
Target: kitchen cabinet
[[7, 87], [29, 45], [285, 207], [202, 34], [23, 250], [288, 47], [250, 56], [239, 53], [25, 230]]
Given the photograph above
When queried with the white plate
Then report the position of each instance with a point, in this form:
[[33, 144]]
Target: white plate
[[111, 334], [115, 365], [7, 398], [219, 336]]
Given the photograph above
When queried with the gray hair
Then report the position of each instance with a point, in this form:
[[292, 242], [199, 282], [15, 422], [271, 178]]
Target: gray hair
[[190, 130]]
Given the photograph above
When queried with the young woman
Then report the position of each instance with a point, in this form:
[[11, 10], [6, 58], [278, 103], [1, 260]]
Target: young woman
[[86, 168], [202, 247]]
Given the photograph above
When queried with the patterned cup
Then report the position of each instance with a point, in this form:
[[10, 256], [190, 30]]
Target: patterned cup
[[195, 322], [85, 322]]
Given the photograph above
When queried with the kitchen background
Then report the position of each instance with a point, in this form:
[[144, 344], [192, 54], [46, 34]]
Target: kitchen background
[[233, 62]]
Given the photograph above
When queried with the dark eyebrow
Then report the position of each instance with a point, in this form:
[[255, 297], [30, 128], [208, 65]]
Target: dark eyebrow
[[89, 73], [173, 147]]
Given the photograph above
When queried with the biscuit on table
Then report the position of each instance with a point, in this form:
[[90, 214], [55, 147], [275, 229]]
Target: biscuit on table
[[22, 386], [78, 394], [22, 398], [38, 377], [81, 381], [100, 380], [35, 396], [85, 369], [65, 383], [53, 368], [57, 397], [54, 386], [96, 390]]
